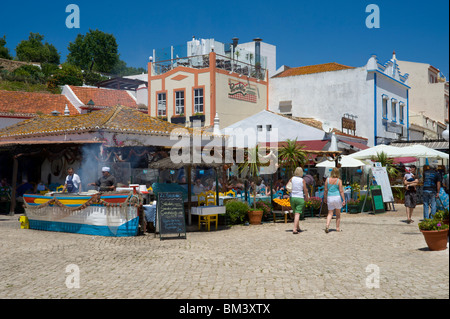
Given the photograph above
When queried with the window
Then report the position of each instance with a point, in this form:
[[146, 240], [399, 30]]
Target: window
[[198, 100], [269, 127], [161, 104], [259, 128], [179, 102], [402, 113], [385, 108], [394, 110]]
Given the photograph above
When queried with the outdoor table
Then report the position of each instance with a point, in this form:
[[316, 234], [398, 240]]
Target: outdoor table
[[208, 214]]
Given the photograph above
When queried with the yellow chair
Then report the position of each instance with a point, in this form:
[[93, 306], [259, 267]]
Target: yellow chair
[[230, 193], [210, 198], [206, 220], [59, 188], [150, 189], [201, 199]]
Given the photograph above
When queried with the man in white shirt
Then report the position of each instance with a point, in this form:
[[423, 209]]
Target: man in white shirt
[[73, 182]]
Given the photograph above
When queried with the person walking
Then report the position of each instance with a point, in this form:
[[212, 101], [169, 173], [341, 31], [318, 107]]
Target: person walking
[[299, 193], [431, 189], [410, 181], [334, 196]]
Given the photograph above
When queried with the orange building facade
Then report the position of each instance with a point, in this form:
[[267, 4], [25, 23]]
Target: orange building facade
[[196, 88]]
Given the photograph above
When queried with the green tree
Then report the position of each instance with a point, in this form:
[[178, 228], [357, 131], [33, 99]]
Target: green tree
[[30, 73], [121, 69], [68, 74], [94, 51], [4, 51], [291, 156], [33, 50]]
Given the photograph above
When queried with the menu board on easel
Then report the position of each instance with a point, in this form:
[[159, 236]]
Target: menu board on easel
[[381, 177], [377, 199], [171, 214]]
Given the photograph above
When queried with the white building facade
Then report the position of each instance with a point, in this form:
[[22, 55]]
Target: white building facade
[[371, 101]]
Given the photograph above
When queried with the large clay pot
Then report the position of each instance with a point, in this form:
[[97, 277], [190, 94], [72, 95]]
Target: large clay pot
[[255, 217], [436, 239]]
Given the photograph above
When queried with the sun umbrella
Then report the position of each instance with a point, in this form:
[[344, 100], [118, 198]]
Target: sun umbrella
[[422, 151], [390, 151], [346, 161]]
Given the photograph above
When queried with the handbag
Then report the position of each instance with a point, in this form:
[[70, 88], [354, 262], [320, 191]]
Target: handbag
[[289, 186]]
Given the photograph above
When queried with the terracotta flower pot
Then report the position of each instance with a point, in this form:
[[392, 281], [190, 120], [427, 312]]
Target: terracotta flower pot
[[255, 217], [436, 239]]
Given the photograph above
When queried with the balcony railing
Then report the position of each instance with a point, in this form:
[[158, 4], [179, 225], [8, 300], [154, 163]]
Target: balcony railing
[[202, 61]]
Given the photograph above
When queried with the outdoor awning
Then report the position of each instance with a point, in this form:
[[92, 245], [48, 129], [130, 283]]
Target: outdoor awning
[[354, 145], [121, 84], [437, 145]]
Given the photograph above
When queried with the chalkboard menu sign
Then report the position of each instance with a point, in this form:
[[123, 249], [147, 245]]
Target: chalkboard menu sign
[[377, 199], [171, 214]]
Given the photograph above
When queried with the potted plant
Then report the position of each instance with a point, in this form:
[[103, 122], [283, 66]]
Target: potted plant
[[435, 233], [265, 207], [250, 168], [442, 215], [197, 116], [178, 119], [236, 211], [353, 206]]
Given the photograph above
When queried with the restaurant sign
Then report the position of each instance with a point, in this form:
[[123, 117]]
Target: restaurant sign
[[240, 90]]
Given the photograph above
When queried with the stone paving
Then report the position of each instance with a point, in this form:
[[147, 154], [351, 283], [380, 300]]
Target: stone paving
[[375, 256]]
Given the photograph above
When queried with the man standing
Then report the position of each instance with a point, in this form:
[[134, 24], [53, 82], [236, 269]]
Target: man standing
[[431, 189], [410, 181], [106, 182], [73, 182]]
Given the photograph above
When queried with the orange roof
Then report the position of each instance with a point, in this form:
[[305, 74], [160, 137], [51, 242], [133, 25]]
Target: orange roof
[[29, 103], [103, 97], [317, 68]]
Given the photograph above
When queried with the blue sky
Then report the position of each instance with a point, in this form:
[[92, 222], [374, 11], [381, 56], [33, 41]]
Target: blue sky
[[305, 32]]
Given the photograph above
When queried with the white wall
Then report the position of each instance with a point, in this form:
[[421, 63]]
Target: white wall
[[327, 96]]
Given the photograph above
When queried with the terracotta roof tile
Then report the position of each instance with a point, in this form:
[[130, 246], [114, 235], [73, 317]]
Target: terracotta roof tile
[[103, 97], [31, 103], [310, 69], [118, 119]]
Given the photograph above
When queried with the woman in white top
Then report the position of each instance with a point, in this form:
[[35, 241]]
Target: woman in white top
[[334, 195], [298, 194]]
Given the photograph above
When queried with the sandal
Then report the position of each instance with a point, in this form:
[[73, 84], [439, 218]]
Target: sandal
[[295, 232], [326, 230]]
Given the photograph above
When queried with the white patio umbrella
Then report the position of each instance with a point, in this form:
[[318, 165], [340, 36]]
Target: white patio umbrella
[[390, 151], [421, 151], [346, 161]]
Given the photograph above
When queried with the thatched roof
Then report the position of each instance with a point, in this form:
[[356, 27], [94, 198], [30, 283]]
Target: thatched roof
[[167, 163]]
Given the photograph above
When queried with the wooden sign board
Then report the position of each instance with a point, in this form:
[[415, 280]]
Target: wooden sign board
[[377, 199], [170, 210]]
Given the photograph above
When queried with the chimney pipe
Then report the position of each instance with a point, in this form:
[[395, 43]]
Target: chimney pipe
[[257, 50], [235, 43]]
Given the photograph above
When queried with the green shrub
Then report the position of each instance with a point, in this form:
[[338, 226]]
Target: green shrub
[[236, 211]]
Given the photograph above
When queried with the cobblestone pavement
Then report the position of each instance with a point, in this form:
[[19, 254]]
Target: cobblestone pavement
[[263, 261]]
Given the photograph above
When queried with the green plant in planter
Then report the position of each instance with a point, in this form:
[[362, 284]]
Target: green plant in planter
[[432, 224], [236, 211], [261, 205], [441, 215]]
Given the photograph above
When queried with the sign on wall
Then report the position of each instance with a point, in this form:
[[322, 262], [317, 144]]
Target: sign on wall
[[241, 90]]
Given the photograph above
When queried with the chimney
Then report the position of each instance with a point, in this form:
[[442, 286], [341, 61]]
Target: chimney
[[235, 43], [257, 50]]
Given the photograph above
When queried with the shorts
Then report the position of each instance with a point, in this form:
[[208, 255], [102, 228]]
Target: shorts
[[410, 199], [297, 204], [334, 202]]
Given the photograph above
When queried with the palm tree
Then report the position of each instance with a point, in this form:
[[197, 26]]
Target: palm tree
[[291, 156], [250, 168], [388, 163]]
